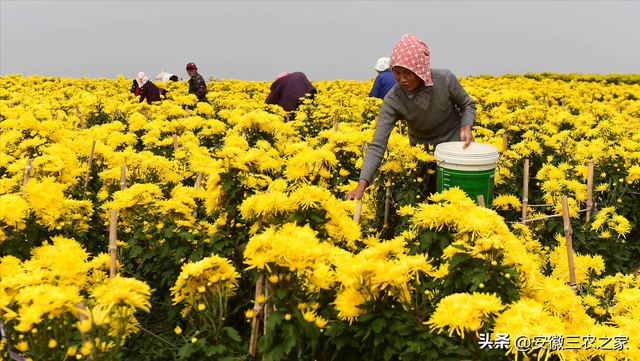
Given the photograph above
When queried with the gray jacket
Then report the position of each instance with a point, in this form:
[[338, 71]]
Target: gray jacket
[[434, 115]]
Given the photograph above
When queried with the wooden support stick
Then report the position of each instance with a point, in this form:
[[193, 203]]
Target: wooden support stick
[[400, 127], [27, 173], [113, 246], [186, 109], [82, 310], [563, 103], [268, 305], [277, 111], [146, 113], [113, 115], [504, 142], [335, 122], [256, 319], [80, 116], [375, 122], [589, 189], [86, 177], [567, 233], [481, 201], [287, 118], [175, 142], [525, 190], [123, 178], [356, 214], [365, 146], [245, 112], [387, 200], [198, 182]]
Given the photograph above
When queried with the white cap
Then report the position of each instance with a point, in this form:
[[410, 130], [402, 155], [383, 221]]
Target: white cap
[[382, 64]]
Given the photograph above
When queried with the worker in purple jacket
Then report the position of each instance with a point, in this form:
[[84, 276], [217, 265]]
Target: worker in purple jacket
[[287, 89]]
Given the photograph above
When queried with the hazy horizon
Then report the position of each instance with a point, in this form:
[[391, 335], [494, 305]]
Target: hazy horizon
[[326, 40]]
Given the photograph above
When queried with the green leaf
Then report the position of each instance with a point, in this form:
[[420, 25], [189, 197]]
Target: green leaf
[[378, 324], [168, 232], [185, 351], [232, 333]]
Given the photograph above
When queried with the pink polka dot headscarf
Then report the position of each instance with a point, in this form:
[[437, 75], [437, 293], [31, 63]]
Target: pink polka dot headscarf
[[413, 54]]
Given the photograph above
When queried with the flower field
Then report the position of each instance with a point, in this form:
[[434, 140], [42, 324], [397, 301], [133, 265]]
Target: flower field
[[231, 217]]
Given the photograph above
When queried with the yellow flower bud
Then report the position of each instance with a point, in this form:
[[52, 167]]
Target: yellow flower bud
[[249, 313], [71, 351], [201, 307], [177, 330], [52, 343], [287, 317]]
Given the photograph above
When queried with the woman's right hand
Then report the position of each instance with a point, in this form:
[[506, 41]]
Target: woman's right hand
[[359, 191]]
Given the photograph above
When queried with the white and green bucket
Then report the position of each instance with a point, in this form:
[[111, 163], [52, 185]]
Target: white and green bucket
[[471, 169]]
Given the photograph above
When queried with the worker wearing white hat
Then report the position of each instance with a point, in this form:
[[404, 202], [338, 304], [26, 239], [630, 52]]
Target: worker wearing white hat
[[384, 81]]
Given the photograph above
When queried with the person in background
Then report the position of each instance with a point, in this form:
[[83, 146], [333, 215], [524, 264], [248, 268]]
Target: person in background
[[384, 81], [288, 88], [173, 78], [432, 101], [150, 92], [137, 83], [197, 85]]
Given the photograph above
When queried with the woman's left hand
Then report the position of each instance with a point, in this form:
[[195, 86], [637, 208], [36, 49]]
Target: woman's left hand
[[466, 136]]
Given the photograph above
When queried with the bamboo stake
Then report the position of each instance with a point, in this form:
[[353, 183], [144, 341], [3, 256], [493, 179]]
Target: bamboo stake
[[365, 146], [400, 127], [376, 122], [27, 173], [277, 111], [387, 200], [81, 317], [256, 320], [80, 116], [356, 214], [175, 142], [589, 188], [481, 201], [267, 306], [245, 112], [335, 122], [86, 177], [563, 103], [288, 114], [567, 233], [504, 142], [198, 181], [186, 109], [525, 190], [113, 245], [123, 178], [113, 115]]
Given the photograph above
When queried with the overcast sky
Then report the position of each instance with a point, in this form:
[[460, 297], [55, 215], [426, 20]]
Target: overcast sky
[[256, 40]]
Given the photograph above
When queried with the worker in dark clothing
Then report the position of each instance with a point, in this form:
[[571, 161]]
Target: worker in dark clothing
[[197, 84], [287, 89], [150, 92]]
